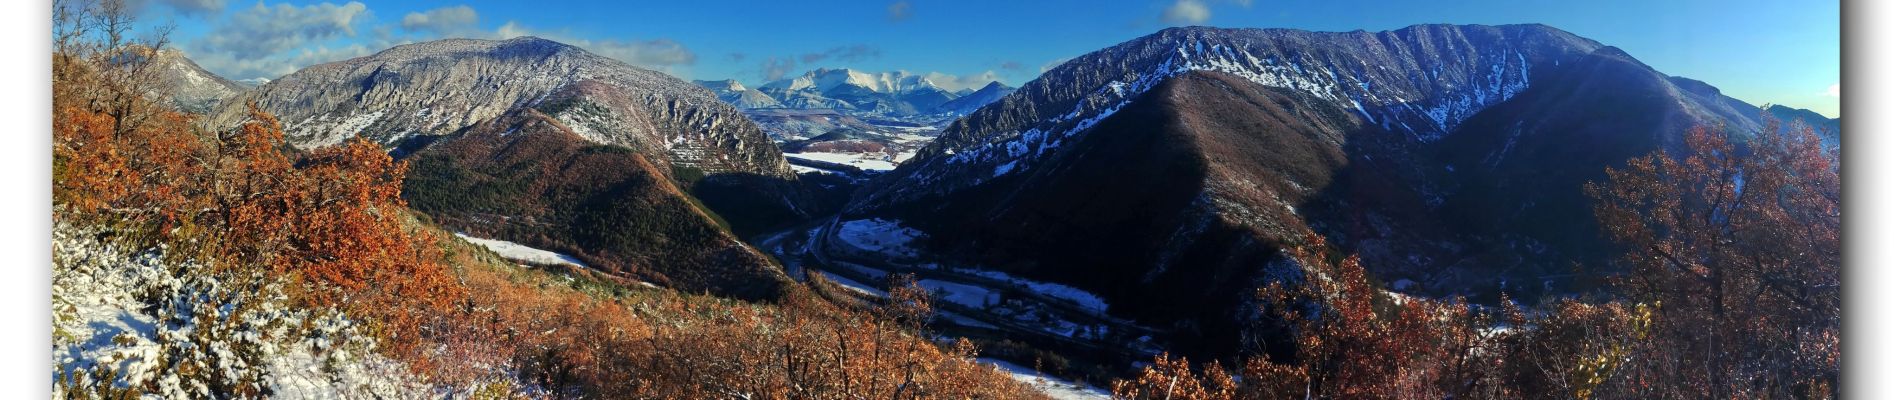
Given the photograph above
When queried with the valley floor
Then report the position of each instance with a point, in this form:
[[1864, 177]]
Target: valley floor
[[973, 303]]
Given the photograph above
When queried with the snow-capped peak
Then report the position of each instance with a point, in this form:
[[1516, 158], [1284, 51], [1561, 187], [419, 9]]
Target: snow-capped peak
[[825, 79]]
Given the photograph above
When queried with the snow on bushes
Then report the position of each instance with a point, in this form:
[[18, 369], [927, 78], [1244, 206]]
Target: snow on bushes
[[134, 322]]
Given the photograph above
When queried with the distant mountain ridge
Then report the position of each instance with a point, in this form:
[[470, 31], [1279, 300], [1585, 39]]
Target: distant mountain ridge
[[1448, 74], [968, 102], [827, 79], [192, 88], [895, 94], [731, 91], [435, 88], [539, 142], [888, 114]]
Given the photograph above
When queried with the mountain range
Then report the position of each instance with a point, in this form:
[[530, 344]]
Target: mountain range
[[1166, 174], [896, 95], [843, 121], [539, 142]]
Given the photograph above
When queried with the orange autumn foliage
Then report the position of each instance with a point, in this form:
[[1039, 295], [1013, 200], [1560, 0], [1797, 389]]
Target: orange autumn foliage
[[332, 218], [1345, 346], [1739, 242], [335, 218], [657, 344], [150, 175]]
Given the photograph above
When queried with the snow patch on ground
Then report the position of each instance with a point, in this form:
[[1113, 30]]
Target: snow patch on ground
[[966, 295], [1054, 388], [864, 161], [1005, 168], [1081, 298], [522, 253], [176, 330], [800, 169], [854, 286], [879, 235]]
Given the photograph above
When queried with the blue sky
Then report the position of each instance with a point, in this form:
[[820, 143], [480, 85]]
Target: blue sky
[[1783, 52]]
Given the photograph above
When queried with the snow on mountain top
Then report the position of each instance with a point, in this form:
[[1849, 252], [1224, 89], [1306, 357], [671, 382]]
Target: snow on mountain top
[[826, 79], [1419, 81]]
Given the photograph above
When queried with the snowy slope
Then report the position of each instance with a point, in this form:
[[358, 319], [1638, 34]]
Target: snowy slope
[[970, 102], [522, 253], [1052, 387], [104, 318], [864, 161], [440, 87], [826, 79]]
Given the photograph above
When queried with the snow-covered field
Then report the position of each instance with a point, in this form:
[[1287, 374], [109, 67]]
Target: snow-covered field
[[1052, 387], [864, 161], [1082, 298], [809, 170], [880, 236], [967, 295], [522, 253], [986, 291]]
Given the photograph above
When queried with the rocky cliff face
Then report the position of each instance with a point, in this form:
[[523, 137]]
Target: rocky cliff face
[[436, 88]]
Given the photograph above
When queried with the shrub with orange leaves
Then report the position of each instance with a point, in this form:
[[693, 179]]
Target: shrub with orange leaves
[[149, 176], [1739, 242], [1345, 345]]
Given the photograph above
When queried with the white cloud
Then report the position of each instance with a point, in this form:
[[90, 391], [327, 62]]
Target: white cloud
[[900, 10], [774, 68], [269, 41], [656, 53], [852, 53], [200, 7], [450, 21], [1186, 12], [1834, 90], [261, 31], [954, 82], [664, 55], [512, 30], [1052, 64], [278, 65]]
